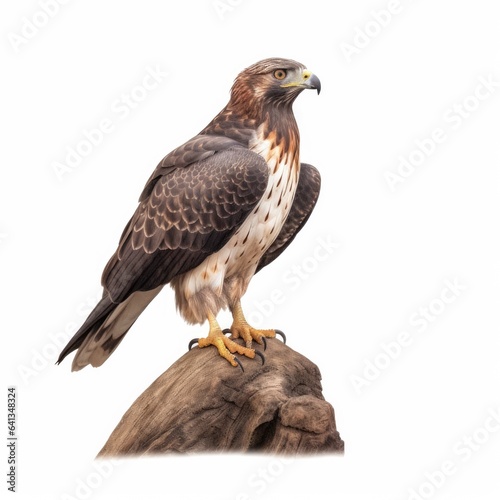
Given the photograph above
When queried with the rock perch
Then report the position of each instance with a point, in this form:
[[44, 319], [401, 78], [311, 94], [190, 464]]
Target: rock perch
[[203, 404]]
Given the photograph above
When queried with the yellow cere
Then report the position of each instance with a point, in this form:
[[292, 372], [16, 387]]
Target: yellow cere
[[305, 76]]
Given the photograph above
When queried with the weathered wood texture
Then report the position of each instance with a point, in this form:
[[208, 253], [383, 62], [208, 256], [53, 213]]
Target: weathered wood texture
[[202, 404]]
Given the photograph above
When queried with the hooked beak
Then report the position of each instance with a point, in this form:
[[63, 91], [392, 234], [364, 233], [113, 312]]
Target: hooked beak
[[313, 82], [308, 81]]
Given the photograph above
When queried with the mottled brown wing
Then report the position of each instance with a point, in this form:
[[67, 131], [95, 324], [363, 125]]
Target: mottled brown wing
[[305, 199], [196, 149], [190, 213]]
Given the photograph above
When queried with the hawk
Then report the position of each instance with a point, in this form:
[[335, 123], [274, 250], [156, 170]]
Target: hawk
[[215, 211]]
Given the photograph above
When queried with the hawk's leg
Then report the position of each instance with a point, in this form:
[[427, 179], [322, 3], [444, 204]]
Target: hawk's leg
[[225, 346], [241, 328]]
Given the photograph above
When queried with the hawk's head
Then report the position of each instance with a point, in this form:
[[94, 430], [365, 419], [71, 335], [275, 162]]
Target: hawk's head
[[272, 81]]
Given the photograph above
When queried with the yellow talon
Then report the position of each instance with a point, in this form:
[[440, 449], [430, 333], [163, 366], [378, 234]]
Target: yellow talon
[[241, 328], [224, 345]]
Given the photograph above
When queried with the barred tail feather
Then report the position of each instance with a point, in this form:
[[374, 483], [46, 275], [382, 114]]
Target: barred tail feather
[[105, 328]]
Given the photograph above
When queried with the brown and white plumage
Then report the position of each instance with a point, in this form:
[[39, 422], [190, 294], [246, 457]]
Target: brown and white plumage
[[214, 212]]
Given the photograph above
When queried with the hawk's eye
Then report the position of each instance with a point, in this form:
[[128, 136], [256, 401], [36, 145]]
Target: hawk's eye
[[280, 74]]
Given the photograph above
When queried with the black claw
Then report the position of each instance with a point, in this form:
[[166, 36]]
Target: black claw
[[226, 330], [192, 343], [264, 342], [239, 363], [261, 356], [279, 332]]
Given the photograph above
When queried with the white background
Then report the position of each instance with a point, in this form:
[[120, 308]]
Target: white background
[[396, 248]]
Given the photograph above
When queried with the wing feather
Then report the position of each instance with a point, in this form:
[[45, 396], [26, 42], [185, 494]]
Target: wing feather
[[189, 214], [196, 149]]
